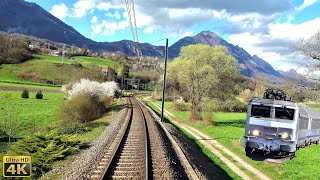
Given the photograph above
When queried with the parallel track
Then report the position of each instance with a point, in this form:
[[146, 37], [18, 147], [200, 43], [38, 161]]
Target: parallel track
[[127, 157]]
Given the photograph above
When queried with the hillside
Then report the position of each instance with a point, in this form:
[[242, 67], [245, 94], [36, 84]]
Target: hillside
[[251, 66], [47, 69], [18, 16]]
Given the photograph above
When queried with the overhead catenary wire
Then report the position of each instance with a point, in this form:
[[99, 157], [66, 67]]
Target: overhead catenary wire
[[133, 25]]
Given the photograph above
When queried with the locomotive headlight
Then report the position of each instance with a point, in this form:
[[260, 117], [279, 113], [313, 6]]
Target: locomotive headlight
[[284, 135], [256, 132]]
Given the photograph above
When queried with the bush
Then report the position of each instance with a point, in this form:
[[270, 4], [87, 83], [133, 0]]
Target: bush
[[76, 64], [84, 107], [25, 94], [87, 100], [233, 105], [207, 118], [107, 102], [211, 105], [45, 149], [39, 95], [75, 128], [180, 106]]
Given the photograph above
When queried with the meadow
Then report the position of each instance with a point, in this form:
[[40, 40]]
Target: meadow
[[33, 124], [228, 129], [47, 69], [24, 117], [84, 60]]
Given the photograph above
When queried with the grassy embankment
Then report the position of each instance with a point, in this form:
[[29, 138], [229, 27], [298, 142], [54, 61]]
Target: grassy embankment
[[22, 118], [25, 118], [229, 130]]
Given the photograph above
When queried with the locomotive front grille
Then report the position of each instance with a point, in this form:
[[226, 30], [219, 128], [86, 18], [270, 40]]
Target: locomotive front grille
[[270, 136]]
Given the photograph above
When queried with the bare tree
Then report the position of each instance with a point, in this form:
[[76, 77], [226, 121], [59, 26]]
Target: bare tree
[[309, 47]]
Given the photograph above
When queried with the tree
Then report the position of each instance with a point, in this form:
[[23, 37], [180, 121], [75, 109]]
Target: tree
[[84, 50], [310, 47], [199, 70]]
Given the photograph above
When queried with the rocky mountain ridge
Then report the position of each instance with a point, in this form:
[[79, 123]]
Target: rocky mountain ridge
[[19, 16]]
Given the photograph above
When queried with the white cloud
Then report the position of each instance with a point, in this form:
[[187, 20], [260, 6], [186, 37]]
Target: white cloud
[[306, 3], [148, 30], [81, 8], [186, 34], [276, 45], [115, 15], [104, 6], [294, 31], [60, 11], [94, 19], [108, 28]]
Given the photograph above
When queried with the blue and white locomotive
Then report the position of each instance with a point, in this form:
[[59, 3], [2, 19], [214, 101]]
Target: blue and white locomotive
[[276, 124]]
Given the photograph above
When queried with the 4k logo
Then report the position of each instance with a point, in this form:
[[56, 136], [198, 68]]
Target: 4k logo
[[16, 166]]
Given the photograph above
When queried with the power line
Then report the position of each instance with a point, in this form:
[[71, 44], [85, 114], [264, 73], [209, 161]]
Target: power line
[[133, 25], [158, 40]]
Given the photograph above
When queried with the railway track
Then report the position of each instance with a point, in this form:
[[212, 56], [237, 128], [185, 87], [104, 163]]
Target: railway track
[[141, 150], [127, 157]]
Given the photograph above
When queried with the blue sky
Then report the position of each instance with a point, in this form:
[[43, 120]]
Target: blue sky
[[267, 28]]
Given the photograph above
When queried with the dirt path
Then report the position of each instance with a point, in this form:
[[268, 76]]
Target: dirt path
[[234, 162]]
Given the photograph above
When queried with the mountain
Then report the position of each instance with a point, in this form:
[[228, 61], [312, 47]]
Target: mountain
[[18, 16], [251, 66], [290, 73]]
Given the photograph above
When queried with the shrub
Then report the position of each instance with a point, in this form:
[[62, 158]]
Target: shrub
[[25, 94], [246, 95], [107, 101], [180, 106], [39, 95], [207, 118], [45, 149], [87, 100], [233, 105], [210, 105], [83, 107], [76, 64], [75, 128]]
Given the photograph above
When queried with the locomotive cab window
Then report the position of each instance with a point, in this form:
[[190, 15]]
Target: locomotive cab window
[[284, 113], [260, 111]]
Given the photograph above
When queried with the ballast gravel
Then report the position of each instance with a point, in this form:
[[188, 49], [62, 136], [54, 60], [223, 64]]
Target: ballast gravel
[[86, 162], [203, 166]]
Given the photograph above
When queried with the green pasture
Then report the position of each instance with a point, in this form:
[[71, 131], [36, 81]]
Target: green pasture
[[229, 131], [30, 85], [50, 69], [26, 119], [23, 117], [84, 60]]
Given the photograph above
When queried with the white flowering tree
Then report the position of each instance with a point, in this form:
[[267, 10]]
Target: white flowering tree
[[87, 100], [92, 88]]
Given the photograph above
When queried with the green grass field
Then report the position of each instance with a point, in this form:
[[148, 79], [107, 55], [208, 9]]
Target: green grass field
[[47, 68], [24, 117], [29, 85], [84, 60], [229, 130]]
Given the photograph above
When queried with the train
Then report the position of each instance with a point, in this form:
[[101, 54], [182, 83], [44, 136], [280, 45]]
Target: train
[[276, 124]]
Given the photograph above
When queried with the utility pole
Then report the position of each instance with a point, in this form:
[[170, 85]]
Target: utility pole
[[62, 58], [138, 85], [122, 77], [164, 78]]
